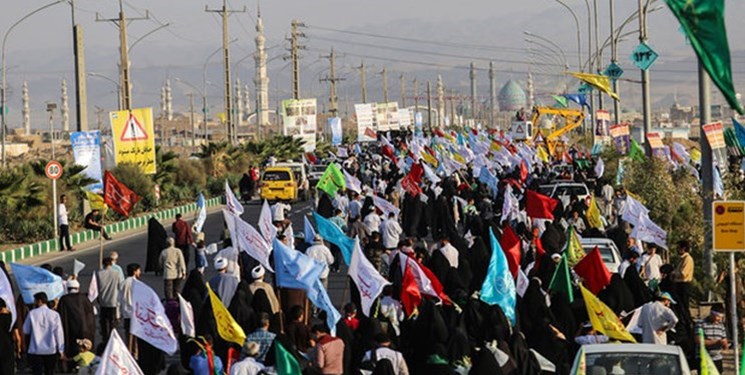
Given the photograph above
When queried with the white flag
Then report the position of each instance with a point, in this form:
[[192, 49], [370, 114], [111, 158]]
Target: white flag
[[77, 267], [522, 283], [93, 288], [149, 320], [248, 239], [116, 359], [599, 168], [6, 294], [267, 228], [187, 317], [201, 214], [510, 206], [369, 282], [234, 205], [430, 174], [353, 183], [385, 206]]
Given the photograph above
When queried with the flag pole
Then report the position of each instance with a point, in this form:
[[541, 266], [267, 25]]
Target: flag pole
[[100, 241]]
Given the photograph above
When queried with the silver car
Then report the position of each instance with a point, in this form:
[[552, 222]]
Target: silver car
[[632, 359]]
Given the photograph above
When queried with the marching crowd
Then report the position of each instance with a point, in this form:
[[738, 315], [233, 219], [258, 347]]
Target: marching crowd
[[466, 269]]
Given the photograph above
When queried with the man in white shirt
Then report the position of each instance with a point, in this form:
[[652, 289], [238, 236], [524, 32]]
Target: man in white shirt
[[64, 225], [47, 340], [322, 253], [125, 296], [391, 231], [384, 352], [279, 210], [656, 318], [372, 220], [249, 365], [651, 263], [449, 251]]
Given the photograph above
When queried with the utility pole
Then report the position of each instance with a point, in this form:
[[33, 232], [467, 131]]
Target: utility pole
[[614, 59], [295, 48], [403, 90], [81, 91], [416, 95], [429, 105], [472, 76], [707, 168], [492, 93], [646, 104], [193, 123], [121, 23], [364, 82], [453, 115], [384, 73], [225, 13], [331, 79], [99, 117]]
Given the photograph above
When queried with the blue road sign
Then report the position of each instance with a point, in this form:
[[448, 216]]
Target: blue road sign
[[643, 56], [613, 71]]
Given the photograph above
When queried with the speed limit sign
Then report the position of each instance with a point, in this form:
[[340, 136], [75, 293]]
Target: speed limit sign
[[53, 170]]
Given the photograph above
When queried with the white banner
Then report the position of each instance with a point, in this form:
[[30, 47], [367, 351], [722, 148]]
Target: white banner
[[386, 116], [369, 282], [248, 239], [116, 359], [299, 121], [149, 320], [385, 206], [187, 317], [406, 117], [267, 228], [365, 122]]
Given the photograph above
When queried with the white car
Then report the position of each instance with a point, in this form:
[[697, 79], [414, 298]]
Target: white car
[[608, 251], [563, 191], [632, 359]]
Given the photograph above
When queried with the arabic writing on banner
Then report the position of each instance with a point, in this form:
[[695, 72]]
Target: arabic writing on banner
[[299, 121], [621, 138], [715, 135], [134, 138], [86, 150], [365, 122], [655, 143], [386, 116]]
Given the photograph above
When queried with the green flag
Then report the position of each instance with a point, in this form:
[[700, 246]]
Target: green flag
[[286, 364], [703, 23], [562, 280], [332, 180], [636, 152], [560, 100]]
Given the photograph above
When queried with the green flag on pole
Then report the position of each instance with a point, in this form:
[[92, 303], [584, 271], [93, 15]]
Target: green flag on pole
[[562, 280], [636, 152], [286, 363], [560, 100], [703, 23], [332, 180]]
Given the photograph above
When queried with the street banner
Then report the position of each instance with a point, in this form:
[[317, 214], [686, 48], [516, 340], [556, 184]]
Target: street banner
[[365, 122], [715, 135], [655, 143], [134, 138], [299, 121], [86, 151], [386, 116], [117, 359], [405, 117], [368, 280], [149, 320], [621, 138], [335, 130], [602, 125]]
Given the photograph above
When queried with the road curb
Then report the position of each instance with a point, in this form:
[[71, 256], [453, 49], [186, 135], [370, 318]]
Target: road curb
[[51, 245]]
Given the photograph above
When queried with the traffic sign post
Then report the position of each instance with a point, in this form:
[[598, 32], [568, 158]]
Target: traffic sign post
[[728, 232], [613, 71], [54, 170], [643, 56]]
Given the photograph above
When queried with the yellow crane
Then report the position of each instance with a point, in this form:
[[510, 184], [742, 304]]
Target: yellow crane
[[573, 118]]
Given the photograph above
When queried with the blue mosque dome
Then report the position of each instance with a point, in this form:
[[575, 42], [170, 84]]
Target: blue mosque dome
[[511, 97]]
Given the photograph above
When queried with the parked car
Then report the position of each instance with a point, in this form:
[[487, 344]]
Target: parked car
[[608, 251], [632, 359], [301, 177], [278, 183]]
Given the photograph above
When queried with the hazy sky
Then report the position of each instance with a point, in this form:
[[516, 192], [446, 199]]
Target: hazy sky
[[39, 49]]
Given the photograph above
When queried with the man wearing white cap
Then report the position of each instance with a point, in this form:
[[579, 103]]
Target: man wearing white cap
[[258, 275], [224, 283], [656, 318], [320, 252], [249, 365], [76, 315]]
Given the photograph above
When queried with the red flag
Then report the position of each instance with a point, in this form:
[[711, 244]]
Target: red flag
[[311, 158], [539, 206], [439, 133], [436, 284], [410, 295], [510, 243], [416, 172], [592, 269], [388, 152], [117, 196], [523, 171], [370, 133], [410, 185]]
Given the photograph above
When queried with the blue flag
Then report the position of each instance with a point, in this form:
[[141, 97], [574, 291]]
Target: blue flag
[[32, 280], [332, 233], [201, 214], [308, 231], [296, 270], [580, 99], [739, 132], [489, 179], [499, 286]]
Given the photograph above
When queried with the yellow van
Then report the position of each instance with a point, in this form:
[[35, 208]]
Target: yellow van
[[278, 183]]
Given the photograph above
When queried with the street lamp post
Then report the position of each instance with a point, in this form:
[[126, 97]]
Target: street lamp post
[[646, 104], [119, 103], [204, 112], [3, 88], [50, 108], [579, 34]]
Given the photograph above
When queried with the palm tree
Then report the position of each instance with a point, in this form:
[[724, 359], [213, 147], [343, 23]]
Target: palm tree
[[215, 156]]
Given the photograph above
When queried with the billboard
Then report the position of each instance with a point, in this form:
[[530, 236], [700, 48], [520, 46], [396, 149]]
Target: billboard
[[406, 117], [602, 126], [335, 130], [366, 130], [386, 117], [299, 121], [715, 135], [134, 138], [86, 151], [621, 138]]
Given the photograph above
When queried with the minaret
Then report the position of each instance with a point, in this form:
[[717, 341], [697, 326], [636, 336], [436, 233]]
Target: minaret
[[531, 95], [26, 111], [64, 108], [261, 81], [246, 102], [440, 102], [238, 106], [163, 102], [169, 101], [492, 93], [474, 99]]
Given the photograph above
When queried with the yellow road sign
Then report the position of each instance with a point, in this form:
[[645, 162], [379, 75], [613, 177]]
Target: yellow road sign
[[728, 221]]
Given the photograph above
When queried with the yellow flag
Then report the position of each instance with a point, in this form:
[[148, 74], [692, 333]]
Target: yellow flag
[[597, 81], [96, 202], [227, 327], [695, 155], [542, 154], [495, 146], [573, 250], [429, 158], [582, 364], [458, 158], [593, 215], [603, 319]]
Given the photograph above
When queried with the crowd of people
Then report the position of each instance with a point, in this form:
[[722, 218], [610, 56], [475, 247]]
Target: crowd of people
[[432, 236]]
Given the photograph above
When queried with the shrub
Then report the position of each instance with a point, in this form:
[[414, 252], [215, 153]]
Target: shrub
[[131, 176]]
